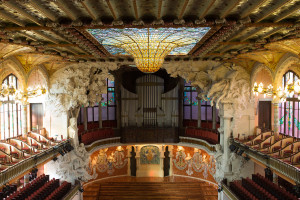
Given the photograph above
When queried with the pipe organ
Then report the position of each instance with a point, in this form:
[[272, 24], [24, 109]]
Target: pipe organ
[[150, 106]]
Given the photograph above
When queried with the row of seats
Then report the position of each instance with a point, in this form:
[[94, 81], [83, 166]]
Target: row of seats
[[275, 190], [241, 192], [257, 190], [39, 189], [60, 192], [26, 191], [99, 134], [45, 190], [209, 136]]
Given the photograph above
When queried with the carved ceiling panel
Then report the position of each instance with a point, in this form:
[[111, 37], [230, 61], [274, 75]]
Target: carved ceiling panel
[[28, 61], [269, 58], [54, 66], [7, 50], [292, 46]]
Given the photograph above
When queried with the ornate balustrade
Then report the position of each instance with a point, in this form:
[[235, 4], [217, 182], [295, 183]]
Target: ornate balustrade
[[287, 170], [27, 164]]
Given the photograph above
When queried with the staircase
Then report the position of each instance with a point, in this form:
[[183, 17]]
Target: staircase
[[150, 190]]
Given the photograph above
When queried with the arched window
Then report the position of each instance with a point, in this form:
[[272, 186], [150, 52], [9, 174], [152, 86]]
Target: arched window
[[190, 106], [289, 113], [10, 112], [108, 106]]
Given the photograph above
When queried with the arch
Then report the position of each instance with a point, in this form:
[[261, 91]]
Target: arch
[[42, 71], [256, 69], [13, 66], [283, 66]]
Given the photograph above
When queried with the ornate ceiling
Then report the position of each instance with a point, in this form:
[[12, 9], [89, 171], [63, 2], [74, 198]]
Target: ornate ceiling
[[251, 30]]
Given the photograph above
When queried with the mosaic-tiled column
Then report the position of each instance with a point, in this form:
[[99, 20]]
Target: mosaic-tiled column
[[276, 117], [24, 119]]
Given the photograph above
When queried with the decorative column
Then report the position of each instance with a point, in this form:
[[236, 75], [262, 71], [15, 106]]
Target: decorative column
[[214, 113], [129, 149], [199, 112], [276, 117], [100, 114], [24, 119], [227, 109], [85, 118], [275, 178]]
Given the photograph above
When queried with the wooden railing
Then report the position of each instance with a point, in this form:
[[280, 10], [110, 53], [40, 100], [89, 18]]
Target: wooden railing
[[228, 192], [72, 192], [27, 164], [281, 167]]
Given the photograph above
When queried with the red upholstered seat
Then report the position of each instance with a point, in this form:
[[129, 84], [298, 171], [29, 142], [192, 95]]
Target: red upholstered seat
[[2, 156], [276, 148]]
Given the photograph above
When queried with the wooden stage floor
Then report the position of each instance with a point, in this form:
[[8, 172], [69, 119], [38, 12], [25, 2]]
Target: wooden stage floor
[[132, 188]]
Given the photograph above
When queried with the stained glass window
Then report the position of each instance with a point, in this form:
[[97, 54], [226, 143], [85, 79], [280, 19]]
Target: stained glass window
[[108, 106], [289, 115], [115, 41], [10, 113]]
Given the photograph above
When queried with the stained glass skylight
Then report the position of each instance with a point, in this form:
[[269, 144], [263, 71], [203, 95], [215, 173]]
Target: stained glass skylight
[[149, 46], [111, 38]]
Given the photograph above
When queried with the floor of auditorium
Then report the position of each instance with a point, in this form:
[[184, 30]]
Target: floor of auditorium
[[133, 188]]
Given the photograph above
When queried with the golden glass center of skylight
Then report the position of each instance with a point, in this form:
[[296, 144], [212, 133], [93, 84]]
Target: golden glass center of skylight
[[149, 46]]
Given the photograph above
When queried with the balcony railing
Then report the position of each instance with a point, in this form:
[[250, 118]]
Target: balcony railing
[[188, 141], [26, 164], [281, 167]]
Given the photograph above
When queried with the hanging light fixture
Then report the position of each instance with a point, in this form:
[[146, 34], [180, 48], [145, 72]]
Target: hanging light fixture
[[288, 92], [149, 46]]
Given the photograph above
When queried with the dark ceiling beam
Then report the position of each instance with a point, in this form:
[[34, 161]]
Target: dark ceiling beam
[[11, 19], [30, 28], [28, 36], [277, 6], [135, 9], [288, 12], [250, 9], [16, 8], [160, 2], [46, 12], [92, 14], [64, 7], [208, 7], [46, 37], [183, 9], [232, 5], [111, 9], [61, 45]]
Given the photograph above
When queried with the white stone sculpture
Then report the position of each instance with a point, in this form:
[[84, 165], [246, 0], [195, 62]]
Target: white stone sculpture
[[75, 166], [78, 85], [219, 82]]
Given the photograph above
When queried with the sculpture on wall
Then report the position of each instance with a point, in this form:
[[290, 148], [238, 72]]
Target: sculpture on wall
[[78, 85], [219, 83], [75, 166]]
